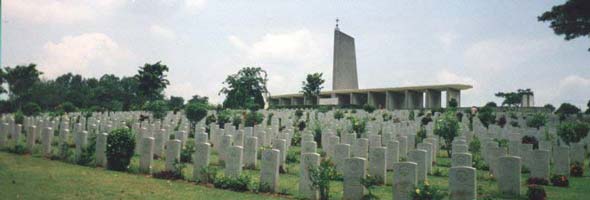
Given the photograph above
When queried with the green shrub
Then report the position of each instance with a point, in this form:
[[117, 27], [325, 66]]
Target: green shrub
[[253, 118], [572, 132], [238, 184], [120, 146], [293, 156], [369, 182], [320, 177], [447, 127], [537, 120], [369, 108], [298, 113], [209, 174], [31, 109], [427, 192], [223, 117], [475, 145], [338, 114], [195, 112], [236, 120], [210, 119], [19, 118], [158, 108], [68, 107], [186, 155], [174, 174], [88, 153], [536, 192], [411, 115], [18, 149], [487, 116]]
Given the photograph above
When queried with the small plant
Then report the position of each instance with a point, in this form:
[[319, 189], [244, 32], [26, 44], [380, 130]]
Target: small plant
[[174, 174], [369, 183], [338, 114], [208, 175], [531, 140], [536, 192], [475, 145], [298, 113], [293, 156], [120, 146], [537, 181], [369, 108], [427, 192], [238, 184], [18, 149], [321, 176], [572, 132], [537, 120], [411, 116], [576, 169], [253, 118], [438, 172], [186, 155], [560, 181]]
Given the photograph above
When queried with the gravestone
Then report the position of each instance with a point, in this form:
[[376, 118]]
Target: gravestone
[[201, 161], [225, 144], [250, 152], [201, 138], [403, 147], [525, 151], [172, 154], [269, 170], [17, 133], [4, 134], [81, 142], [460, 148], [355, 169], [428, 148], [513, 148], [308, 147], [540, 168], [308, 160], [374, 141], [146, 159], [281, 145], [341, 153], [159, 143], [419, 157], [378, 164], [332, 142], [462, 183], [46, 140], [577, 153], [233, 165], [361, 148], [561, 160], [508, 176], [101, 148], [392, 153], [31, 136], [461, 159], [405, 178]]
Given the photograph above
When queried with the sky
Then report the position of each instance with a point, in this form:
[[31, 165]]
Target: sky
[[492, 45]]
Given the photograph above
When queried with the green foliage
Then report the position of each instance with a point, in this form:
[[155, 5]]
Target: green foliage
[[19, 118], [176, 103], [253, 118], [536, 120], [152, 80], [358, 125], [21, 79], [369, 108], [120, 146], [245, 89], [572, 132], [427, 192], [18, 149], [199, 99], [31, 109], [386, 116], [88, 152], [535, 192], [210, 119], [487, 116], [475, 145], [320, 177], [236, 120], [209, 175], [68, 107], [223, 117], [195, 112], [338, 114], [238, 184], [549, 107], [313, 85], [513, 98], [369, 182], [411, 115], [491, 104], [158, 108], [420, 135], [293, 156], [570, 19], [453, 103], [447, 127], [186, 155], [174, 174], [567, 109]]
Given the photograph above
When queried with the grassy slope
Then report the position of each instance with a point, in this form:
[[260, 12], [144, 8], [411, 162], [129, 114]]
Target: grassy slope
[[40, 178]]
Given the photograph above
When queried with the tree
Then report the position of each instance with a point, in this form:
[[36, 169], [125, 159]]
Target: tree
[[152, 80], [158, 108], [571, 19], [537, 120], [313, 85], [20, 79], [199, 99], [176, 103], [588, 108], [487, 116], [195, 112], [491, 104], [549, 107], [513, 98], [447, 127], [245, 89], [453, 103], [31, 109], [567, 109], [572, 132]]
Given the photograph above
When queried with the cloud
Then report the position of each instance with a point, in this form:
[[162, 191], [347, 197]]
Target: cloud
[[447, 39], [194, 6], [89, 54], [499, 54], [447, 77], [287, 57], [574, 89], [64, 12], [162, 32]]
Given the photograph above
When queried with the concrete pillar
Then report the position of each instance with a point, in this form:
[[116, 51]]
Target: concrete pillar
[[433, 99], [414, 99]]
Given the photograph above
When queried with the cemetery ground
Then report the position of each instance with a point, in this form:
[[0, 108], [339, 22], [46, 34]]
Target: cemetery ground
[[34, 177]]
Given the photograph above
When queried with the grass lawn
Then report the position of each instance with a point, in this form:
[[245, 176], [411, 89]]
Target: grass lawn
[[33, 177]]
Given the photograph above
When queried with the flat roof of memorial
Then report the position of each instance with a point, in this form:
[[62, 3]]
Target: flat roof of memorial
[[381, 90]]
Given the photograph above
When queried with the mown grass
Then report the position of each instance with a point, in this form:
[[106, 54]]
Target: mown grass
[[34, 177]]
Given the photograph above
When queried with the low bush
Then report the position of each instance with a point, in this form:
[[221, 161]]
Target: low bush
[[576, 170], [320, 177], [536, 192], [238, 184], [531, 140], [120, 146], [427, 192], [369, 182], [186, 155], [369, 108], [537, 181], [560, 181], [209, 175], [175, 174], [18, 149]]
